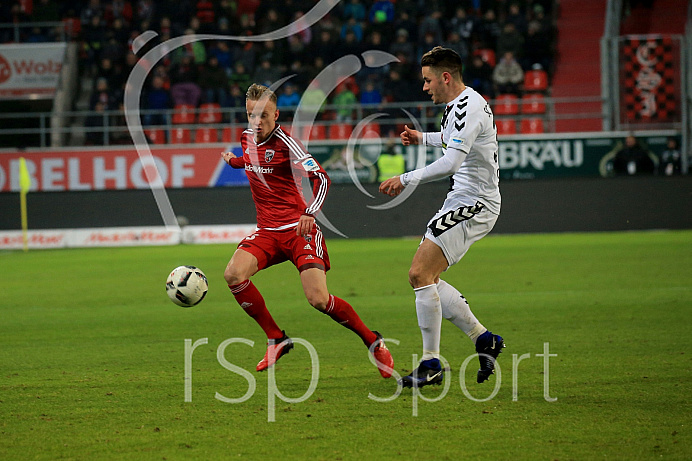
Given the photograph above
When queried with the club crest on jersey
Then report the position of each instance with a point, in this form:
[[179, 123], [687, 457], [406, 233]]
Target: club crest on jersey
[[310, 164], [268, 155], [308, 238]]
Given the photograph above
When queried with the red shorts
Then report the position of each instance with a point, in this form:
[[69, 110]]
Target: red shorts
[[276, 246]]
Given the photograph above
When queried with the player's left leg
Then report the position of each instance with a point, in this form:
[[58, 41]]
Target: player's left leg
[[455, 242], [456, 309], [314, 282]]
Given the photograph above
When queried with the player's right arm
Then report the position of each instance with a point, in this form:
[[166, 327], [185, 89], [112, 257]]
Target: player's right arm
[[230, 158], [415, 137]]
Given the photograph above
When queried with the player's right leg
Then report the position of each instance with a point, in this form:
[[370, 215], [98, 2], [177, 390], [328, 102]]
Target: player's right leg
[[427, 265], [240, 268]]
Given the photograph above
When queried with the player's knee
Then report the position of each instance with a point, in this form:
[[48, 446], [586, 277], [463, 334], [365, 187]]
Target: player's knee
[[318, 300], [418, 278], [232, 276]]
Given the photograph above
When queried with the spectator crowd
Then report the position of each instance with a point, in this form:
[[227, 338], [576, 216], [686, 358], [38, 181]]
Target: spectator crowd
[[498, 41]]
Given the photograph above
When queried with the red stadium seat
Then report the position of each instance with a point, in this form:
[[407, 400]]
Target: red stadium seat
[[210, 113], [232, 133], [535, 80], [533, 104], [532, 126], [487, 55], [506, 104], [316, 132], [156, 135], [506, 126], [180, 136], [340, 131], [371, 130], [183, 114], [206, 135]]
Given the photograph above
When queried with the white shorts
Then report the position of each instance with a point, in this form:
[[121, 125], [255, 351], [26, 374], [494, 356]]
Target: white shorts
[[456, 227]]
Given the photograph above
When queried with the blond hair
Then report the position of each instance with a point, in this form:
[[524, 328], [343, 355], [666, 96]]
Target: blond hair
[[257, 92]]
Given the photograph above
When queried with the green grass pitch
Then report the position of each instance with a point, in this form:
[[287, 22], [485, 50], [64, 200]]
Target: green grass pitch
[[94, 364]]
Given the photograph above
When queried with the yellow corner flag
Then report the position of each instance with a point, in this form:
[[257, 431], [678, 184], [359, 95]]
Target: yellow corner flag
[[24, 186]]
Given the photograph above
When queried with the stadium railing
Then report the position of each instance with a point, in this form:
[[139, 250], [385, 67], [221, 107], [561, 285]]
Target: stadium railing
[[109, 127]]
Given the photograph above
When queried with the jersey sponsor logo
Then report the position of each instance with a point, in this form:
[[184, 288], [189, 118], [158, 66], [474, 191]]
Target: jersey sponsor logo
[[454, 217], [258, 169], [269, 155], [307, 247], [457, 141], [310, 164]]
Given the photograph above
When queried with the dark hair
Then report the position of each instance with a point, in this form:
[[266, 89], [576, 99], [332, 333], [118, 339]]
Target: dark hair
[[443, 60]]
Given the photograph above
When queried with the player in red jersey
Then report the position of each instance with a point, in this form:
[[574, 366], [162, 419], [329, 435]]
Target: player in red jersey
[[275, 164]]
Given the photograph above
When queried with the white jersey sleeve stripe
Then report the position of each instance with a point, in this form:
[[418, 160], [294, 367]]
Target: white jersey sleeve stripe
[[321, 195], [293, 146]]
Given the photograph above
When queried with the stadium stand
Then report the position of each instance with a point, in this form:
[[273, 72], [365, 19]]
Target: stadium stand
[[578, 74], [107, 29]]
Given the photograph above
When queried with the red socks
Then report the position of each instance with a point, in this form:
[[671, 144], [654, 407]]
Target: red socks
[[341, 312], [252, 302]]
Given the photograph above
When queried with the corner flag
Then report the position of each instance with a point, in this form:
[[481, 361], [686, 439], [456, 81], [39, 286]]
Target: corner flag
[[24, 186]]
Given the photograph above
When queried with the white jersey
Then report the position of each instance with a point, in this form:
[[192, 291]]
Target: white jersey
[[469, 144]]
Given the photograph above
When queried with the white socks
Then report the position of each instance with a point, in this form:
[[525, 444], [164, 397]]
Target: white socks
[[456, 310], [429, 314], [443, 300]]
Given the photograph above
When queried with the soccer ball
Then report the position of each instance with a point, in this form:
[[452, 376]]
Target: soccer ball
[[187, 286]]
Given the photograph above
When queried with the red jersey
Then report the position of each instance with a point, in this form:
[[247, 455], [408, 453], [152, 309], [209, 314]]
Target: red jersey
[[275, 169]]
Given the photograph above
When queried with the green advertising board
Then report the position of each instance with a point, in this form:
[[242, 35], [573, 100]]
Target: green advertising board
[[572, 155], [520, 156]]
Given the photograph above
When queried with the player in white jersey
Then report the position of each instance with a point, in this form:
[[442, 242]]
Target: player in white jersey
[[469, 144]]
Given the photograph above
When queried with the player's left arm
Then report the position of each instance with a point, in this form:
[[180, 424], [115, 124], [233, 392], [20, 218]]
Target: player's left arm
[[320, 186], [305, 165], [445, 166], [466, 126]]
